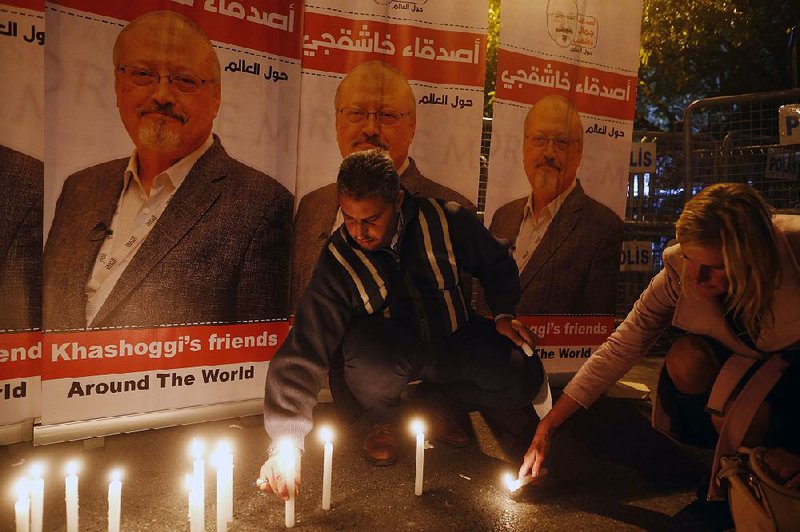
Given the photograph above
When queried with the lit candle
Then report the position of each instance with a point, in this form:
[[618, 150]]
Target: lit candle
[[37, 497], [196, 508], [327, 466], [71, 489], [418, 427], [286, 462], [223, 460], [513, 484], [114, 500], [199, 469], [22, 508]]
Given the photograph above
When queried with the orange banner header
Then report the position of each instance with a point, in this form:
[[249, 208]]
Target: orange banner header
[[20, 355], [34, 5], [570, 330], [525, 79], [87, 353], [338, 44], [271, 26]]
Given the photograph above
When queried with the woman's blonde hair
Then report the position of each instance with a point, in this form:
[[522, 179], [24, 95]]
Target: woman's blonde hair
[[736, 217]]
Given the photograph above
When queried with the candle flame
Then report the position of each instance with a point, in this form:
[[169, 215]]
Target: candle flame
[[36, 470], [285, 447], [326, 434], [417, 426], [511, 483], [197, 448], [72, 467], [225, 447], [116, 475], [222, 454], [286, 455]]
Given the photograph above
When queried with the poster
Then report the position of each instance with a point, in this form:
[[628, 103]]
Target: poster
[[168, 219], [558, 166], [22, 39], [403, 76]]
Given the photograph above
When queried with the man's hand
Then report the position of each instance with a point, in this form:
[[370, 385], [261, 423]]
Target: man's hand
[[517, 332], [785, 466], [537, 452], [271, 478]]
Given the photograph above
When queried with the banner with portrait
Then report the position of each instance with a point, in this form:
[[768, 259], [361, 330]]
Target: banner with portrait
[[171, 156], [22, 39], [558, 167], [406, 76]]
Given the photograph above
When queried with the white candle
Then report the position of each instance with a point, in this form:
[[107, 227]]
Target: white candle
[[22, 508], [286, 462], [71, 492], [327, 466], [37, 497], [223, 459], [419, 429], [199, 469], [114, 500], [196, 507]]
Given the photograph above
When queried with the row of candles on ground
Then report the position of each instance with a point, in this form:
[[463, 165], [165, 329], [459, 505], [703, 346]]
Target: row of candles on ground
[[29, 506], [286, 463], [222, 458], [30, 489], [286, 457]]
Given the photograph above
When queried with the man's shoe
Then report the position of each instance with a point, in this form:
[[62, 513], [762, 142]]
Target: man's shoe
[[446, 428], [380, 445]]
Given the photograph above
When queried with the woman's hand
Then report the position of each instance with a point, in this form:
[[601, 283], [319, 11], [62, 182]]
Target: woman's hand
[[537, 452]]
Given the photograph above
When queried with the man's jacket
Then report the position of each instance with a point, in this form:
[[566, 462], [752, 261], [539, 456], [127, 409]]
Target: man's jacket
[[418, 283]]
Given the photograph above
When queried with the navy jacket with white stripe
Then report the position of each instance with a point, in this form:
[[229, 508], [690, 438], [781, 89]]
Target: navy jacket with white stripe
[[418, 282]]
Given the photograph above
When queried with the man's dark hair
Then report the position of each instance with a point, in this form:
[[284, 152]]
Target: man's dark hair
[[367, 174]]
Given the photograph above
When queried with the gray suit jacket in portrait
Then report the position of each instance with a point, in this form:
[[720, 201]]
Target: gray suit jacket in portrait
[[218, 253], [316, 215], [574, 268], [21, 189]]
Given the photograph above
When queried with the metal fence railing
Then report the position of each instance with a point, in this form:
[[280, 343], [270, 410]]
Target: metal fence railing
[[731, 138]]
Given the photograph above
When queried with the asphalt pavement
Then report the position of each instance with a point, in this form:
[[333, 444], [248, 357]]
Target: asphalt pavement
[[609, 470]]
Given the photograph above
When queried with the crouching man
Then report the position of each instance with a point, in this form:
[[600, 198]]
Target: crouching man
[[386, 300]]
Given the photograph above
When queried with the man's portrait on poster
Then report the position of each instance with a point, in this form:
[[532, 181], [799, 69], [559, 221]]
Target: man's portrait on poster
[[20, 240], [566, 243], [374, 108], [179, 232]]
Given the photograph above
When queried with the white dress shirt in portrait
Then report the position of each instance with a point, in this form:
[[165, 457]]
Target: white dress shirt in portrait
[[137, 212], [533, 229]]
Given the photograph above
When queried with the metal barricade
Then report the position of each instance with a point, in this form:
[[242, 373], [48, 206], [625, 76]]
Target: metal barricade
[[732, 139], [654, 200], [657, 196]]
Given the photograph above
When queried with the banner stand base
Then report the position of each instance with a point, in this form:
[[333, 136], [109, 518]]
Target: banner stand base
[[16, 432], [98, 442], [97, 428]]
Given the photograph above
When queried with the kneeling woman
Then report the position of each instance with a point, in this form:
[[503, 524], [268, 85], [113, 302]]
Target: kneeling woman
[[732, 283]]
